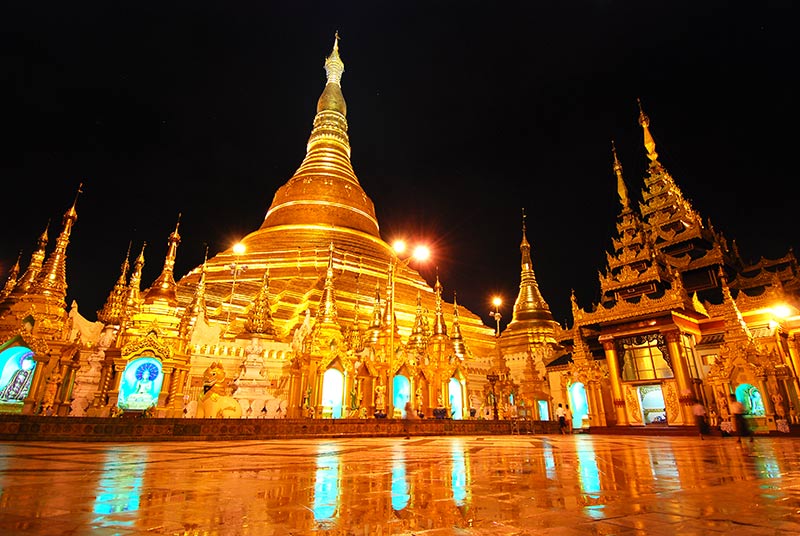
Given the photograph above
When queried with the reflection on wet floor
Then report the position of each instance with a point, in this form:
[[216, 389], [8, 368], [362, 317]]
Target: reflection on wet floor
[[437, 485]]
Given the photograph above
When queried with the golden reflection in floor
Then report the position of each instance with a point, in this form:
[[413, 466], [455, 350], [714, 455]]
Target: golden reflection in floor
[[433, 486]]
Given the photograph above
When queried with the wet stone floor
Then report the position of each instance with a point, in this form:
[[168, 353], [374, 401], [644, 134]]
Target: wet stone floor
[[495, 485]]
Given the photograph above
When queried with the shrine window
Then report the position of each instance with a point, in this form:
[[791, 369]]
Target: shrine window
[[644, 360]]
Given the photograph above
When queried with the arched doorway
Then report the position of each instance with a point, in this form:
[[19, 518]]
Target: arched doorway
[[401, 392], [456, 399], [332, 393], [579, 404]]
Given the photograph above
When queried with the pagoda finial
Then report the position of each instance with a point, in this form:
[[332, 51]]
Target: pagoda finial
[[439, 327], [134, 299], [164, 286], [459, 349], [530, 302], [259, 320], [11, 280], [327, 304], [649, 143], [622, 190], [113, 312], [334, 66]]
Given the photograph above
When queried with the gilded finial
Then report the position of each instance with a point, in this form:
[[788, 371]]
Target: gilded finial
[[649, 143], [334, 66], [622, 190]]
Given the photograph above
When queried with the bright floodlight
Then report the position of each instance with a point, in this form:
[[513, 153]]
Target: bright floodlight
[[422, 253], [497, 301], [238, 248], [781, 311], [399, 246]]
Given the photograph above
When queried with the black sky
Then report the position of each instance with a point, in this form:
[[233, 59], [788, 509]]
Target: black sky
[[461, 114]]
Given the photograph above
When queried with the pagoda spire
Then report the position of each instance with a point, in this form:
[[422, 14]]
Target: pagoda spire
[[324, 190], [164, 288], [259, 319], [389, 317], [34, 266], [622, 190], [458, 340], [51, 282], [375, 324], [113, 312], [327, 305], [197, 307], [134, 298], [649, 142], [529, 304], [11, 280], [439, 327], [354, 335], [418, 336]]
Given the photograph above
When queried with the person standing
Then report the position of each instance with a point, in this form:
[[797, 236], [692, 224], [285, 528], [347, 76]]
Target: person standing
[[568, 417], [699, 412], [561, 414], [740, 423]]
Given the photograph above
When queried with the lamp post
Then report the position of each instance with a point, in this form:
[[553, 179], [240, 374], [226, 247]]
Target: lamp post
[[497, 301], [236, 269], [492, 378]]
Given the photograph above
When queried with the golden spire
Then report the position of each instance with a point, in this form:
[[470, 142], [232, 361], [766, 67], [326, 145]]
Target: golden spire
[[529, 304], [197, 307], [134, 299], [327, 303], [113, 312], [354, 336], [11, 280], [439, 327], [649, 143], [52, 280], [375, 326], [735, 326], [324, 190], [418, 339], [259, 319], [389, 317], [458, 340], [622, 190], [34, 266], [164, 287]]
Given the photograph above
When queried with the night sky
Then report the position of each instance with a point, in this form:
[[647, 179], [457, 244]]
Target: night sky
[[461, 114]]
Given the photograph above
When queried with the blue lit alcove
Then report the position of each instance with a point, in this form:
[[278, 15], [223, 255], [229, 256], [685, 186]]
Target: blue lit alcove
[[16, 372], [456, 398], [750, 397], [401, 391], [578, 404], [140, 384], [332, 393]]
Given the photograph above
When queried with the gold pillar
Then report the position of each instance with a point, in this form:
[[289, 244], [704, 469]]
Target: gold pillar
[[681, 370], [29, 405], [617, 395], [794, 363]]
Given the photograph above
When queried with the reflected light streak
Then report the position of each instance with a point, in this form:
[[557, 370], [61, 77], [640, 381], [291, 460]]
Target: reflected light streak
[[326, 486], [119, 487], [588, 474], [401, 491], [460, 479]]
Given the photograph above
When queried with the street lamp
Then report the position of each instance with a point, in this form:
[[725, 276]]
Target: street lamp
[[236, 269], [492, 379], [497, 301]]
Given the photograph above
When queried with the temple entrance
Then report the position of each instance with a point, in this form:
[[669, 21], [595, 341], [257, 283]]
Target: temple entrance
[[578, 404], [456, 399], [544, 412], [140, 384], [651, 402], [332, 393], [401, 393], [16, 372]]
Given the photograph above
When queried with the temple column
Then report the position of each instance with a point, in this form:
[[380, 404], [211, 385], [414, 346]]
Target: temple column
[[794, 364], [682, 377], [617, 394], [597, 414], [29, 405]]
